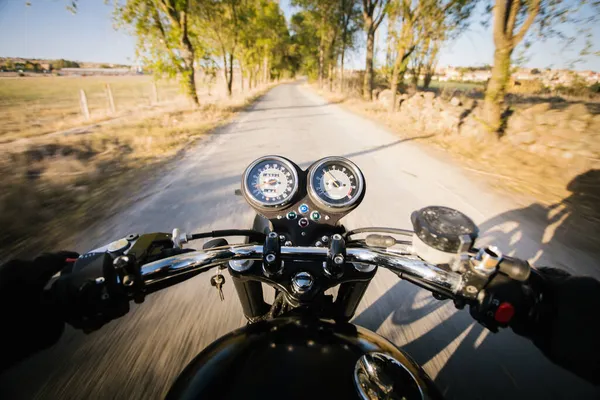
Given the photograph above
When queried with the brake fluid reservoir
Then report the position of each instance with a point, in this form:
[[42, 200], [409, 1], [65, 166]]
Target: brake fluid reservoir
[[441, 234]]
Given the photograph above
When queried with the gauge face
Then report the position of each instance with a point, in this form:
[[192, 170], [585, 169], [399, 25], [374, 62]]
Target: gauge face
[[270, 182], [336, 182]]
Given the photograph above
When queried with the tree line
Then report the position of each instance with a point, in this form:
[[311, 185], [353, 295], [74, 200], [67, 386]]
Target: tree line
[[178, 37], [417, 29]]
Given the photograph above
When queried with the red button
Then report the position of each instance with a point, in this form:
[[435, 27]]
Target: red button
[[504, 313]]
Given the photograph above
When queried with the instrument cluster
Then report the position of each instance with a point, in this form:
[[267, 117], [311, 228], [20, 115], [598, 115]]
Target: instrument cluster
[[281, 191]]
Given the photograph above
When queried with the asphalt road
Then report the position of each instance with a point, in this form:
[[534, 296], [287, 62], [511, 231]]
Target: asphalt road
[[139, 356]]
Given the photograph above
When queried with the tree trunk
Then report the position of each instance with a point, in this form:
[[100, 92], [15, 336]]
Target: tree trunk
[[415, 77], [496, 89], [427, 79], [368, 82], [321, 61], [265, 69], [241, 77], [330, 76], [189, 84], [189, 80], [230, 78], [225, 69], [342, 70], [399, 68]]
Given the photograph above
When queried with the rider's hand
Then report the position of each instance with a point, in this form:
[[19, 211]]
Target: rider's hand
[[30, 322], [89, 293], [565, 323], [558, 312]]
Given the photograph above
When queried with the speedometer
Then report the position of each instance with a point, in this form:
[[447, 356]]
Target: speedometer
[[270, 182], [336, 183]]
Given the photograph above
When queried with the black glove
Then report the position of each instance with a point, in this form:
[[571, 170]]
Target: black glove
[[565, 321], [30, 321], [558, 312], [89, 293]]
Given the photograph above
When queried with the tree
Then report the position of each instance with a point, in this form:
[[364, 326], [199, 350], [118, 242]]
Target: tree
[[305, 40], [326, 15], [512, 19], [165, 41], [507, 35], [221, 22], [351, 23], [423, 25], [373, 13]]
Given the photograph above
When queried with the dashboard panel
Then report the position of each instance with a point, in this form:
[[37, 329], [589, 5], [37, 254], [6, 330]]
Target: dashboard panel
[[304, 205]]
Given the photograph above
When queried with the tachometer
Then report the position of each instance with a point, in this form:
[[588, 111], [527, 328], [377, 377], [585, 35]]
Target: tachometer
[[336, 183], [270, 182]]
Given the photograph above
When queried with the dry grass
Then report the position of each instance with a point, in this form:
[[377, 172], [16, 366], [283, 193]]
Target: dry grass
[[33, 106], [53, 185], [555, 185], [505, 167]]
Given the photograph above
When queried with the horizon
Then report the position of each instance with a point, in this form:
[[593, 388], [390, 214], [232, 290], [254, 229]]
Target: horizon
[[97, 41]]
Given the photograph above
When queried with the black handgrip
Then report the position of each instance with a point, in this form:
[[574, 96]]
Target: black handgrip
[[514, 268]]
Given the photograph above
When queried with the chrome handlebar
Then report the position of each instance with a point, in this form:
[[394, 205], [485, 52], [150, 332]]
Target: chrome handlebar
[[403, 264]]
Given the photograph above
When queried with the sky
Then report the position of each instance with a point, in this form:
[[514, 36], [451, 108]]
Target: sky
[[47, 30]]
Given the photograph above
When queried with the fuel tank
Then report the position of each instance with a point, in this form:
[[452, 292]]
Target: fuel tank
[[303, 358]]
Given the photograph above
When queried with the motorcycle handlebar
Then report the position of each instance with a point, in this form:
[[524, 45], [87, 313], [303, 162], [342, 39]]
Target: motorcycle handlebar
[[438, 280]]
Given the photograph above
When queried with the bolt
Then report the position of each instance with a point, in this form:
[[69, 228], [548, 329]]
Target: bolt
[[325, 239], [303, 233], [99, 281], [281, 238], [121, 262], [128, 281], [270, 258], [471, 289], [288, 243], [318, 244], [337, 236], [273, 234], [339, 259]]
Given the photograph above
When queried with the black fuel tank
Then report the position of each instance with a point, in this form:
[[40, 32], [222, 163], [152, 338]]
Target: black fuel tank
[[297, 358]]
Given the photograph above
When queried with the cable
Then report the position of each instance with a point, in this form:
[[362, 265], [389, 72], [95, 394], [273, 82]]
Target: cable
[[226, 232], [394, 231]]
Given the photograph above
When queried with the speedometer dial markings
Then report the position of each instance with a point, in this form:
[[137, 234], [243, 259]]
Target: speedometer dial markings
[[336, 183], [270, 182]]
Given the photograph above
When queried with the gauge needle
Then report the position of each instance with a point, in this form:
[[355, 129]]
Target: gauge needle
[[270, 182], [335, 182]]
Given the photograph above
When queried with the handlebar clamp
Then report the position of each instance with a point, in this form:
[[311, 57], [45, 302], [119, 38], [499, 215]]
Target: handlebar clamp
[[336, 257], [272, 263]]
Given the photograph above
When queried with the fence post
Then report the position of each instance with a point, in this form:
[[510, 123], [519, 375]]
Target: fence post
[[111, 101], [84, 105], [154, 93]]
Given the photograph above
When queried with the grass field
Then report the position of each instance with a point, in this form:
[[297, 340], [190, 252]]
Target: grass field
[[32, 106], [456, 85], [53, 185]]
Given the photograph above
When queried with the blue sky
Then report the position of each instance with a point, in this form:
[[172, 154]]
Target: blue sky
[[47, 30]]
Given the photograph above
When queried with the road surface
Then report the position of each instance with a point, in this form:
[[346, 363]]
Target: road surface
[[139, 356]]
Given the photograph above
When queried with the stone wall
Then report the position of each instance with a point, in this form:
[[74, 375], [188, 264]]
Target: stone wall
[[569, 132]]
